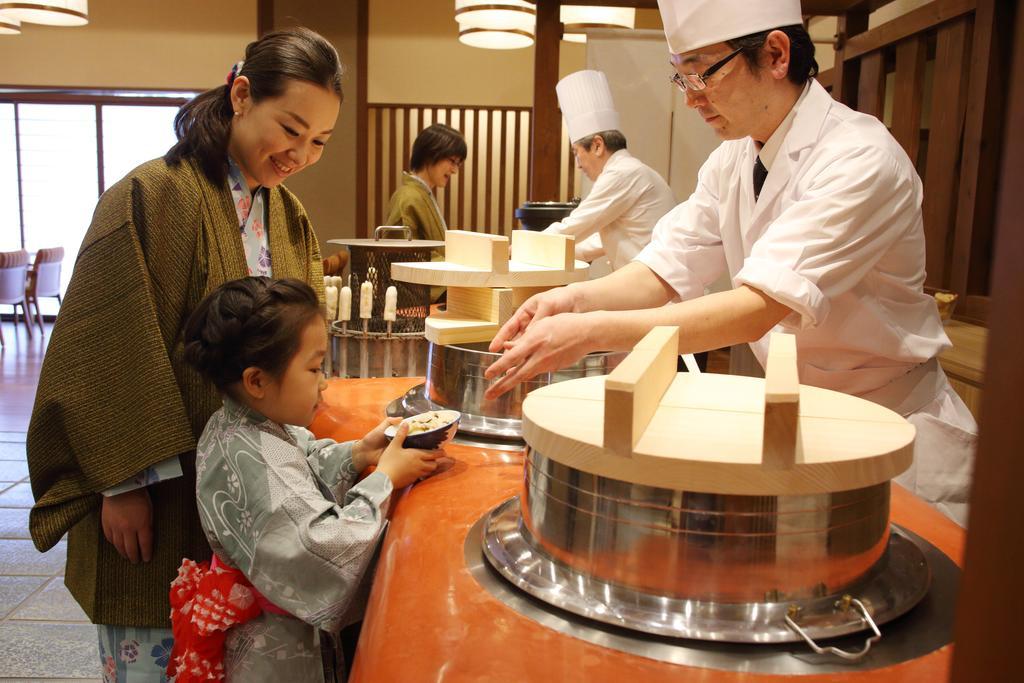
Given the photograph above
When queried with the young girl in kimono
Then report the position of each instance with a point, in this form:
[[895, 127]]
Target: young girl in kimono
[[291, 530]]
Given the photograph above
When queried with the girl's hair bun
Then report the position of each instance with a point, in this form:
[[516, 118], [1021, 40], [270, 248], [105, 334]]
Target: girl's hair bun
[[252, 322]]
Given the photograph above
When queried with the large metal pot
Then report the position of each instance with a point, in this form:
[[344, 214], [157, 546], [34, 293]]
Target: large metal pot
[[670, 536], [455, 380], [705, 566]]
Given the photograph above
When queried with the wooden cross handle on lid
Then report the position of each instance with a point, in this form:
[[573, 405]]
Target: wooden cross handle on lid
[[781, 404], [477, 250], [633, 391]]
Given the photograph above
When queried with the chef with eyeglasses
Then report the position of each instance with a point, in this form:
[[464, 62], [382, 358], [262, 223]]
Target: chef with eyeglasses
[[628, 197], [812, 208]]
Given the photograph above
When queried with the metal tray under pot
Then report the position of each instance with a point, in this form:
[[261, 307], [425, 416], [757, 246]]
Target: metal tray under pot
[[731, 568], [455, 381]]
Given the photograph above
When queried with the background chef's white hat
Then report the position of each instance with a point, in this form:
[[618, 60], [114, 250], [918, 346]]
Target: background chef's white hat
[[692, 24], [587, 105]]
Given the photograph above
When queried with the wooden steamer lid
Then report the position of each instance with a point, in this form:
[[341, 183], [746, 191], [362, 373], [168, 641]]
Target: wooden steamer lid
[[532, 259], [723, 434], [488, 277]]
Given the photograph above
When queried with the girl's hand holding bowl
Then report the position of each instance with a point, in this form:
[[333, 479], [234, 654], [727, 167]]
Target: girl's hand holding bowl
[[405, 465], [429, 430]]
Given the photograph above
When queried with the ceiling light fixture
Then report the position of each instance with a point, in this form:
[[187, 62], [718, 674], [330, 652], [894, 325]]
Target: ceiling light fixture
[[496, 24], [576, 19], [49, 12], [9, 26]]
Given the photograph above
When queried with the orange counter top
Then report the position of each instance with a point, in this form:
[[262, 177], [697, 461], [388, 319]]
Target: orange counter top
[[428, 619]]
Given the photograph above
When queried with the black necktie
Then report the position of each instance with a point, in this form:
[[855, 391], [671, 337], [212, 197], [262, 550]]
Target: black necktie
[[760, 173]]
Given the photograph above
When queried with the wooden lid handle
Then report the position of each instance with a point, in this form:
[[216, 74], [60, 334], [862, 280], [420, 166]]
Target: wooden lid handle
[[634, 389], [781, 404], [476, 250], [547, 250]]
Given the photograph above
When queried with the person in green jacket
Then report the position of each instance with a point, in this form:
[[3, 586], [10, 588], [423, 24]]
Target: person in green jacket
[[437, 155]]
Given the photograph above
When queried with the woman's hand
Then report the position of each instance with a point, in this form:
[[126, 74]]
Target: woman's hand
[[405, 465], [548, 344], [367, 451], [127, 521], [534, 309]]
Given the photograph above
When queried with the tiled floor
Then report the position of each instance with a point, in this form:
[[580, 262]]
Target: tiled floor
[[44, 635]]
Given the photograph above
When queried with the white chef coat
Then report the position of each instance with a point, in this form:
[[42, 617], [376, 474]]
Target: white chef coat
[[837, 235], [627, 199]]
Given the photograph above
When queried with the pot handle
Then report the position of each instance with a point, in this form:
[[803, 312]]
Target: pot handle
[[381, 229], [843, 604]]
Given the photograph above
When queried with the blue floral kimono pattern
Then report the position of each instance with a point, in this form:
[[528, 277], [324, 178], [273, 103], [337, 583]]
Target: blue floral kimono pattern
[[129, 654], [284, 508], [251, 208]]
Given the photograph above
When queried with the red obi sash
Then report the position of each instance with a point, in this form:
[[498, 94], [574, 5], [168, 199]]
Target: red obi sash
[[207, 599]]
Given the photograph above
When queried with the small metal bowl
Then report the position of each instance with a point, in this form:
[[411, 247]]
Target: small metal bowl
[[433, 438]]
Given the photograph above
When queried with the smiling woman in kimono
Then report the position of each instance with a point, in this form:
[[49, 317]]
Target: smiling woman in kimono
[[111, 445]]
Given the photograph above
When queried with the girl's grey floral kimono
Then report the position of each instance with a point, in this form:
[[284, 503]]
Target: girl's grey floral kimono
[[281, 506]]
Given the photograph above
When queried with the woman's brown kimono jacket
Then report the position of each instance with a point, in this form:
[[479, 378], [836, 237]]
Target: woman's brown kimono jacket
[[115, 394]]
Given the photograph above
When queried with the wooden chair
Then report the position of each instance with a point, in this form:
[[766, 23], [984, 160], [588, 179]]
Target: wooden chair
[[44, 279], [13, 276]]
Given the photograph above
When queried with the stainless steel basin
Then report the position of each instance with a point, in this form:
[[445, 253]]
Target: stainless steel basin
[[700, 565], [455, 380]]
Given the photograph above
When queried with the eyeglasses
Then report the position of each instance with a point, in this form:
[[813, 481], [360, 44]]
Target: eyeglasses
[[698, 82], [457, 161]]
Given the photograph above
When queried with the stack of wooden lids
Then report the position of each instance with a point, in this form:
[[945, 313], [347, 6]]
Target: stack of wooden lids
[[488, 277]]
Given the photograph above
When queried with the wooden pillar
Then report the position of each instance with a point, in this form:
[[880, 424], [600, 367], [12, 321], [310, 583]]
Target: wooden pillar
[[987, 83], [987, 631], [264, 17], [546, 132], [847, 74], [363, 118]]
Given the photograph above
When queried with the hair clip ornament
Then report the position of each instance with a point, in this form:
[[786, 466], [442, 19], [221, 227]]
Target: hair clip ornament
[[235, 70]]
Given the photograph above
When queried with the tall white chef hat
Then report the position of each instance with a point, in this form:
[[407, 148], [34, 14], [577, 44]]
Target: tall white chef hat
[[587, 105], [692, 24]]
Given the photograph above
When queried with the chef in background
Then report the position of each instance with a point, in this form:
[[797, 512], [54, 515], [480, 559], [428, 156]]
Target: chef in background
[[628, 197], [814, 211]]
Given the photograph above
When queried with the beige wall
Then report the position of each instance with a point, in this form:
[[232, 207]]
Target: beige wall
[[415, 56], [129, 44], [328, 190]]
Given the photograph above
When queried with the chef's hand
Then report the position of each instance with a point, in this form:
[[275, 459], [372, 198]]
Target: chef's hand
[[548, 344], [537, 307], [127, 521], [367, 450]]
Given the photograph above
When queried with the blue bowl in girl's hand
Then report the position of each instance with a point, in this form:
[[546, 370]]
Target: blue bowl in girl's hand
[[428, 430]]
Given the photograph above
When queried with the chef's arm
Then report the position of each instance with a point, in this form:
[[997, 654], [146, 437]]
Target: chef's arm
[[590, 249], [608, 199], [709, 322], [630, 287]]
